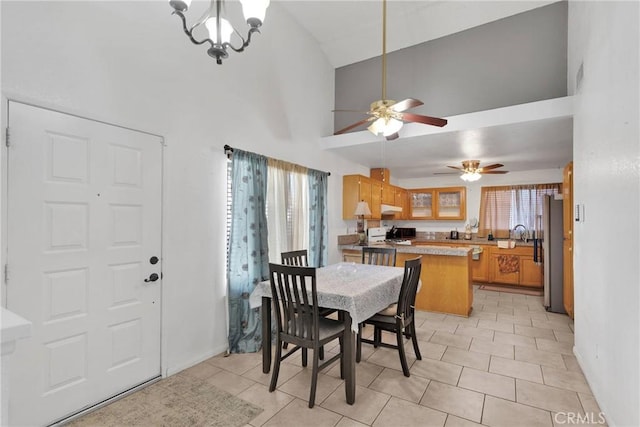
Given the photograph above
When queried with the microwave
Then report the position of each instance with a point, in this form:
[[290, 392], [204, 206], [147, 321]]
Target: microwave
[[401, 233]]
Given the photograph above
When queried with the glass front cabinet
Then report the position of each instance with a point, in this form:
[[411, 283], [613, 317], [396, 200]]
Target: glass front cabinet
[[448, 203]]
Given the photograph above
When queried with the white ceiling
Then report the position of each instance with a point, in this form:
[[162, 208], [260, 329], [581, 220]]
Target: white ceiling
[[350, 31]]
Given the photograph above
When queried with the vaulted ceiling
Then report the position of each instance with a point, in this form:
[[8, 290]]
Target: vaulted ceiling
[[522, 123]]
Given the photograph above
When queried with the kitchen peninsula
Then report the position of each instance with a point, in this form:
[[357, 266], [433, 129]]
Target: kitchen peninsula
[[446, 275]]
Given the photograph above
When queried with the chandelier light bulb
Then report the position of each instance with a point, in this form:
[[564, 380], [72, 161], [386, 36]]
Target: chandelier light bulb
[[225, 30], [254, 11]]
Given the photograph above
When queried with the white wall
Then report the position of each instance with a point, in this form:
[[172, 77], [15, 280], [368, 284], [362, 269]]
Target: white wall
[[129, 63], [605, 37]]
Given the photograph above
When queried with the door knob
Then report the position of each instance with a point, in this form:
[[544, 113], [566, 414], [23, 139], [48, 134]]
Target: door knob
[[152, 278]]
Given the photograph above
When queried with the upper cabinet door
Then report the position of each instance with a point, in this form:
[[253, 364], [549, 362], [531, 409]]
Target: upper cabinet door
[[421, 204], [451, 203]]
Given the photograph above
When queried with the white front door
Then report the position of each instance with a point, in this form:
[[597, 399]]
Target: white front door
[[84, 222]]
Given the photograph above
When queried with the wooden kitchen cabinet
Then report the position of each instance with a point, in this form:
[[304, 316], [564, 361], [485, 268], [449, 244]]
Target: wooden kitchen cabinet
[[451, 203], [447, 203], [388, 194], [531, 273], [567, 243], [480, 266], [356, 188], [528, 273], [401, 199], [376, 199], [421, 204]]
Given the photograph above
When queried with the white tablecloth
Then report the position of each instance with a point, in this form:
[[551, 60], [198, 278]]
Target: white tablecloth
[[360, 289]]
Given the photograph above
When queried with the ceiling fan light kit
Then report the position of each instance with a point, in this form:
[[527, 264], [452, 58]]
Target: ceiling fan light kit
[[219, 28], [471, 170], [387, 115]]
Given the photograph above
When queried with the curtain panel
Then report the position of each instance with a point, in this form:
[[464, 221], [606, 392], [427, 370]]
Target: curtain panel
[[318, 218], [502, 207], [248, 249]]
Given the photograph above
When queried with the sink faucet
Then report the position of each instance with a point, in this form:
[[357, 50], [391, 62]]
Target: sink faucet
[[523, 236]]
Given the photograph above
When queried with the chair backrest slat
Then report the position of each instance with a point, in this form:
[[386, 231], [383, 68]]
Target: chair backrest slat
[[379, 256]]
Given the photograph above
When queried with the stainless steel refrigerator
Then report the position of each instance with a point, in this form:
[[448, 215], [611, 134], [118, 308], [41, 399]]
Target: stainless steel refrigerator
[[552, 252]]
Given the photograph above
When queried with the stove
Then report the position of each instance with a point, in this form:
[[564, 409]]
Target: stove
[[376, 235]]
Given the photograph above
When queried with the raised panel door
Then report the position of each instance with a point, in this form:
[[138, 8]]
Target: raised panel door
[[531, 273], [84, 219], [376, 196], [501, 273], [480, 267], [388, 194], [567, 244]]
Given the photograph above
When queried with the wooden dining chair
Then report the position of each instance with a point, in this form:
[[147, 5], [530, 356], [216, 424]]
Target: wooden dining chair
[[300, 258], [379, 256], [397, 318], [293, 290]]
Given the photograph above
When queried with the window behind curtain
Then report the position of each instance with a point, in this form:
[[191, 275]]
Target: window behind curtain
[[287, 208], [503, 207]]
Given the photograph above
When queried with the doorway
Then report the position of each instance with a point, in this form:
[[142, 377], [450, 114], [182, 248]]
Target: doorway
[[83, 260]]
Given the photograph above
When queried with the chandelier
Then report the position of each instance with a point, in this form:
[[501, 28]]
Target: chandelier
[[219, 28]]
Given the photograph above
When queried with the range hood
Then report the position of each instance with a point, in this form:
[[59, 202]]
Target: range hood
[[390, 210]]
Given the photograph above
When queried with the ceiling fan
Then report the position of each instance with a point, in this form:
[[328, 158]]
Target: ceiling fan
[[388, 115], [471, 170]]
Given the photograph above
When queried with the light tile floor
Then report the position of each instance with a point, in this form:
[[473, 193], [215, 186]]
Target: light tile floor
[[509, 364]]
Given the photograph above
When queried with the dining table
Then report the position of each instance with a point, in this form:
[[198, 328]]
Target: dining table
[[358, 291]]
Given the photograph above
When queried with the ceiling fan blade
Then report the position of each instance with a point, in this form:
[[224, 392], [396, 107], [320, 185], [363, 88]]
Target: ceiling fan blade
[[405, 104], [434, 121], [487, 168], [355, 125], [456, 167], [392, 136], [493, 172]]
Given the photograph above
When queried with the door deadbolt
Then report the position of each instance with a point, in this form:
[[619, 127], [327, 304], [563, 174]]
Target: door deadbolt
[[154, 260]]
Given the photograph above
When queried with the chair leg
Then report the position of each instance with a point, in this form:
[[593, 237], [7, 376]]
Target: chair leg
[[321, 353], [276, 367], [359, 344], [314, 379], [414, 339], [377, 336], [304, 357], [403, 358]]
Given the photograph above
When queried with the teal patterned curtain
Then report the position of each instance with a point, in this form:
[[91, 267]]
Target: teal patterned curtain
[[248, 249], [318, 218]]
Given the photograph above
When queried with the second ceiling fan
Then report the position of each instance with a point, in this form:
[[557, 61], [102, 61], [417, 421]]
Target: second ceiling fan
[[471, 170], [387, 116]]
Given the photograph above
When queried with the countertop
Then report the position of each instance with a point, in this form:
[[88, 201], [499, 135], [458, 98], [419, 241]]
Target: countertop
[[421, 248]]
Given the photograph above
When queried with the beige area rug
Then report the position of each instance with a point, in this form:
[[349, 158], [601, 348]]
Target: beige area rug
[[179, 400], [511, 290]]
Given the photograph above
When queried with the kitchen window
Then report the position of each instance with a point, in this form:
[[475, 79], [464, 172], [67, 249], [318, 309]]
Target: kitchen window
[[504, 207]]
